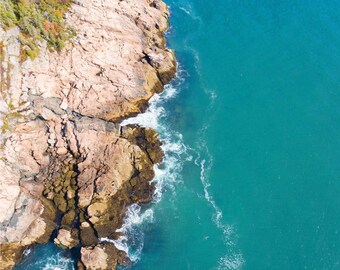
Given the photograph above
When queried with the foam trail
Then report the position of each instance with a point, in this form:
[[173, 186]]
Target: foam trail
[[189, 10], [185, 10], [233, 258]]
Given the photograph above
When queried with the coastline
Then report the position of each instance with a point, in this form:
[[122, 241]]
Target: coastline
[[71, 147]]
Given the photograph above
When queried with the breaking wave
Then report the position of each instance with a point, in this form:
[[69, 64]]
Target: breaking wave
[[56, 261], [167, 173], [132, 234]]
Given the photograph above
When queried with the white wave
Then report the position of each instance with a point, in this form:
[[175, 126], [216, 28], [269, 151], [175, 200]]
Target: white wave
[[167, 174], [59, 260], [175, 151], [119, 243], [27, 252], [134, 217], [56, 262], [151, 117]]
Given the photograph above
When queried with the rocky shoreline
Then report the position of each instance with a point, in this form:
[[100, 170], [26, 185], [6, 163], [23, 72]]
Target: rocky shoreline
[[68, 169]]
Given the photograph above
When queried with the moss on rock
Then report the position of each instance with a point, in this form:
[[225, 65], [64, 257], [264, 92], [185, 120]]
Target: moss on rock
[[37, 21]]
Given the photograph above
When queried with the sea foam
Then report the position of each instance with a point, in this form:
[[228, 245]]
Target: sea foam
[[134, 218], [55, 262], [233, 258], [167, 174]]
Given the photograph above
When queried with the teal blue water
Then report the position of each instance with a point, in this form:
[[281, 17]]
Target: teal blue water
[[261, 105], [251, 178]]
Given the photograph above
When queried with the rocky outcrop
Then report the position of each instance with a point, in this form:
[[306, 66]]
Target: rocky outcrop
[[97, 257], [67, 238], [66, 163]]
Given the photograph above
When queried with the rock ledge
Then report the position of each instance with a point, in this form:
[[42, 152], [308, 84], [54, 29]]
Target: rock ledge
[[67, 166]]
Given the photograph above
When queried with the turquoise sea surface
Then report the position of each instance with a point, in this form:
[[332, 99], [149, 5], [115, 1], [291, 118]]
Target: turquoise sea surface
[[251, 125]]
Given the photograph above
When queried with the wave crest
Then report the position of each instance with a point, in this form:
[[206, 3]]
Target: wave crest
[[167, 173]]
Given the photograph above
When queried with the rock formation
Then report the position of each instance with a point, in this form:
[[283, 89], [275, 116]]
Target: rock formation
[[66, 163]]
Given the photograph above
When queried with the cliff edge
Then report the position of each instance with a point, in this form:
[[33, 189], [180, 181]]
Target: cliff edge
[[68, 168]]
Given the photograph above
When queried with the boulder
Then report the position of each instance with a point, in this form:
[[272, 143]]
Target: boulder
[[67, 238]]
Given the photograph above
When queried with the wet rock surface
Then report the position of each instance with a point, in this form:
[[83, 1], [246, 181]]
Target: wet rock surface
[[67, 166]]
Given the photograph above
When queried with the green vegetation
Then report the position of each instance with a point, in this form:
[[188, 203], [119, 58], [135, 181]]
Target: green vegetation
[[10, 119], [5, 126], [4, 71], [37, 20], [13, 115]]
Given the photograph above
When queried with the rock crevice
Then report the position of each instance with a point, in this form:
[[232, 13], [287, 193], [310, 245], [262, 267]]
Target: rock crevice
[[67, 166]]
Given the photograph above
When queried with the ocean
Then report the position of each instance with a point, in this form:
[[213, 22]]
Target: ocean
[[251, 131]]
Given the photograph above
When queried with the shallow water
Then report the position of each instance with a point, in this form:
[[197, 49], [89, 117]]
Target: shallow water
[[251, 125], [47, 257]]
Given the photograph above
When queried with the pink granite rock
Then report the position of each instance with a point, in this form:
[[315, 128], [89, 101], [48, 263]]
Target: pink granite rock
[[64, 150]]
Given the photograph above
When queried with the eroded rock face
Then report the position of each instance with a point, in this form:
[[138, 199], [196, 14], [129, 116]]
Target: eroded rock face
[[97, 257], [64, 158], [67, 238]]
